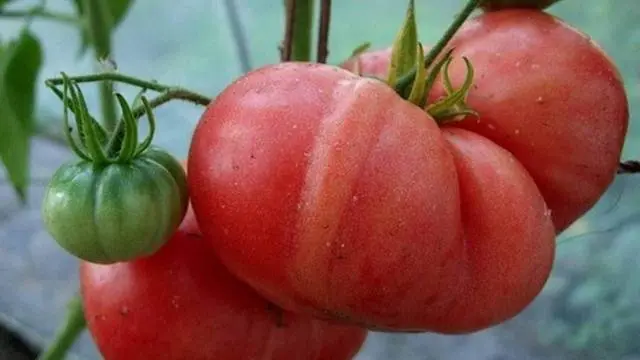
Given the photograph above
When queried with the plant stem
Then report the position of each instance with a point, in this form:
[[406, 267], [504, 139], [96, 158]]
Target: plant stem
[[287, 43], [172, 92], [297, 43], [629, 167], [41, 13], [73, 325], [468, 9], [100, 26], [323, 35]]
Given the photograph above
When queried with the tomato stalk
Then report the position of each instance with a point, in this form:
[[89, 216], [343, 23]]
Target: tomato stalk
[[629, 167], [66, 335], [406, 80], [323, 32], [42, 13], [299, 22], [98, 21]]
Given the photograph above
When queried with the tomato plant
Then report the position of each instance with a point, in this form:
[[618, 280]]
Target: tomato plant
[[97, 207], [413, 188], [180, 303]]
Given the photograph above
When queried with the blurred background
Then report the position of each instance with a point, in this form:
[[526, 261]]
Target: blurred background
[[590, 308]]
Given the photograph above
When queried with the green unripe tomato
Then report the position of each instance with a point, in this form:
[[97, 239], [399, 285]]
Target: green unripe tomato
[[493, 5], [119, 211]]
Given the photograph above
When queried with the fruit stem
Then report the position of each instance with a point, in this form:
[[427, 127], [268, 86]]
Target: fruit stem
[[67, 334], [139, 111], [299, 22], [408, 79], [99, 21], [168, 92]]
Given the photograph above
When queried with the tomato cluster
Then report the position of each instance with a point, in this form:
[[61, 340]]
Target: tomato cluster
[[332, 195], [327, 202]]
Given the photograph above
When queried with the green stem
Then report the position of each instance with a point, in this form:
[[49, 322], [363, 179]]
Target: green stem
[[100, 26], [169, 92], [302, 31], [41, 13], [73, 325], [112, 76], [468, 9]]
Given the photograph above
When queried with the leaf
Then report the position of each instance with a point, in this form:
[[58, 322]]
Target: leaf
[[4, 2], [403, 54], [117, 10], [20, 63]]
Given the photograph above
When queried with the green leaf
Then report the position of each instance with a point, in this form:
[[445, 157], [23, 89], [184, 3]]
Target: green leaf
[[20, 63], [403, 54], [117, 9], [4, 2]]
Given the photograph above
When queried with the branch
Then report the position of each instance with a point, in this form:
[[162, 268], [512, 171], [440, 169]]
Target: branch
[[629, 167], [290, 20], [178, 92], [41, 13], [323, 36]]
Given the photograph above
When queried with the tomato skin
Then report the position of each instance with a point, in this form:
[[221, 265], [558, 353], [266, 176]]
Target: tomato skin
[[329, 194], [494, 5], [549, 95], [100, 213], [373, 63], [180, 303]]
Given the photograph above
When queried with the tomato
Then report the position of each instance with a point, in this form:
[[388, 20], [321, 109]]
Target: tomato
[[373, 63], [549, 95], [117, 211], [331, 195], [492, 5], [180, 303]]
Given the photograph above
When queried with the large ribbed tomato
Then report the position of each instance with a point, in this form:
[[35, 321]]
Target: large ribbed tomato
[[181, 303], [331, 195]]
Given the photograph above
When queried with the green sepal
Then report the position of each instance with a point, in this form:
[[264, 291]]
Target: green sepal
[[418, 90], [403, 54]]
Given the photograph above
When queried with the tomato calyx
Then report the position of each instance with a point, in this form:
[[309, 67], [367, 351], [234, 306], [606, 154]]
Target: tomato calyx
[[413, 75], [94, 146]]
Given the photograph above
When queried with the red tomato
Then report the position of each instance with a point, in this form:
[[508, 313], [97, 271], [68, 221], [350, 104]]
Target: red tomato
[[330, 194], [370, 63], [549, 95], [373, 63], [180, 303]]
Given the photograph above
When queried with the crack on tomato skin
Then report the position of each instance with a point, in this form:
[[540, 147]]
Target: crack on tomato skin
[[278, 314]]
